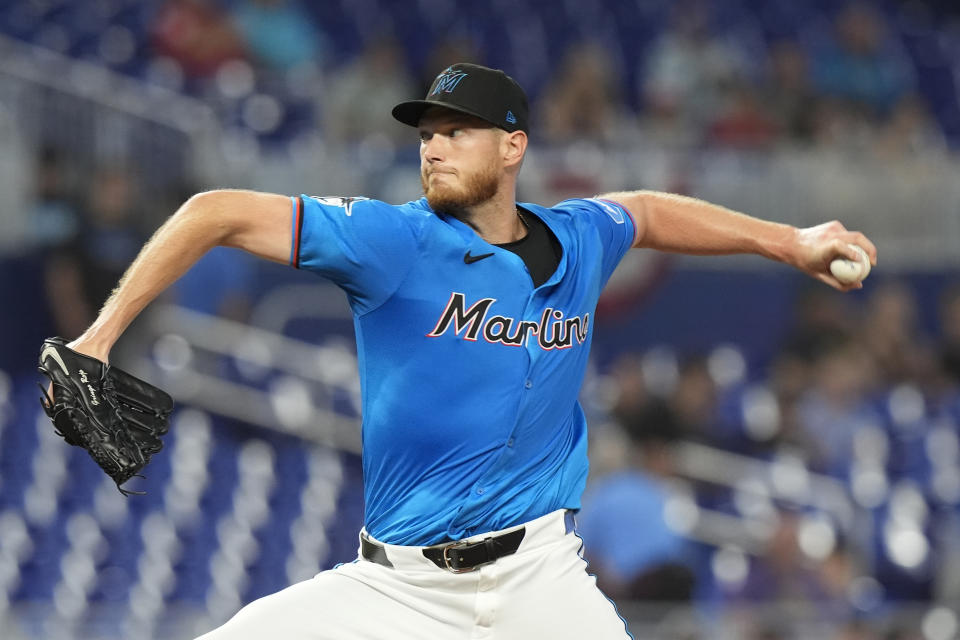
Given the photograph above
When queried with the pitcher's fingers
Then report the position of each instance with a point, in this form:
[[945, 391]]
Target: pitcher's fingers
[[840, 248], [864, 243]]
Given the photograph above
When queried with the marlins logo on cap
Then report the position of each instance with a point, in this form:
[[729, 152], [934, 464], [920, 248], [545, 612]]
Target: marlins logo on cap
[[447, 81], [480, 91]]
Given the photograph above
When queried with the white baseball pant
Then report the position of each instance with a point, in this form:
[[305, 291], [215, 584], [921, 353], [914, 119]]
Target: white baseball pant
[[541, 591]]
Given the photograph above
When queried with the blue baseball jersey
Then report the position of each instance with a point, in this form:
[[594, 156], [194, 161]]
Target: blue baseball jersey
[[469, 374]]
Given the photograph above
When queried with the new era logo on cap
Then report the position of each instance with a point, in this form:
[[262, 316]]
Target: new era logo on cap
[[480, 91]]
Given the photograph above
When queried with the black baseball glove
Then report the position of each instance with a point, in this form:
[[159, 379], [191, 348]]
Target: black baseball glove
[[116, 417]]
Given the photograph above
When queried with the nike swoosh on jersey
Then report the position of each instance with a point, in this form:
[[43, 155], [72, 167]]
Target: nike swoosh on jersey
[[469, 259], [50, 351]]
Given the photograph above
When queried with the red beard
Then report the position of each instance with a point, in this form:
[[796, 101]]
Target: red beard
[[456, 199]]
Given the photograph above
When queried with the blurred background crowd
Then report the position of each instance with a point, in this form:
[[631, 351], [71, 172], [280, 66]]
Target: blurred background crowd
[[770, 459]]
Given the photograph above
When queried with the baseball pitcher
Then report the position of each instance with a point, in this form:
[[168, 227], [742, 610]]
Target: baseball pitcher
[[474, 316]]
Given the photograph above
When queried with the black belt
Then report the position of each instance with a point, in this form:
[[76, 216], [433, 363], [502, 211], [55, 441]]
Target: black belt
[[456, 557]]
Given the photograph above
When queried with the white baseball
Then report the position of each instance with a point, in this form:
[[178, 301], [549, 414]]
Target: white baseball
[[850, 271]]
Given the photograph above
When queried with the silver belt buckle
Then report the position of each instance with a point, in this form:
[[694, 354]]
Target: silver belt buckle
[[446, 558], [459, 545]]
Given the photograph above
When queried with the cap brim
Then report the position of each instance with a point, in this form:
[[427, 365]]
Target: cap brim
[[411, 111]]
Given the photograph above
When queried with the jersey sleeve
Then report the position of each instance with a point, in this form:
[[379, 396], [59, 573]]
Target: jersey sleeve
[[364, 246], [614, 224]]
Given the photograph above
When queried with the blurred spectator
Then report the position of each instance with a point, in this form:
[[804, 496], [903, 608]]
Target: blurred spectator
[[788, 92], [686, 390], [359, 96], [633, 551], [689, 66], [862, 65], [582, 102], [824, 317], [111, 237], [910, 130], [784, 574], [839, 127], [632, 395], [743, 122], [899, 352], [68, 304], [950, 332], [835, 406], [197, 34], [789, 377], [81, 275], [279, 34], [694, 400], [53, 215]]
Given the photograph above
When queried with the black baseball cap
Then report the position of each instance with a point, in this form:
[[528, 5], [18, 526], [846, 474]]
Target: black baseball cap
[[479, 91]]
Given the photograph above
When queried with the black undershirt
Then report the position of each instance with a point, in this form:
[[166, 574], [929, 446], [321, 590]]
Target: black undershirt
[[539, 249]]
